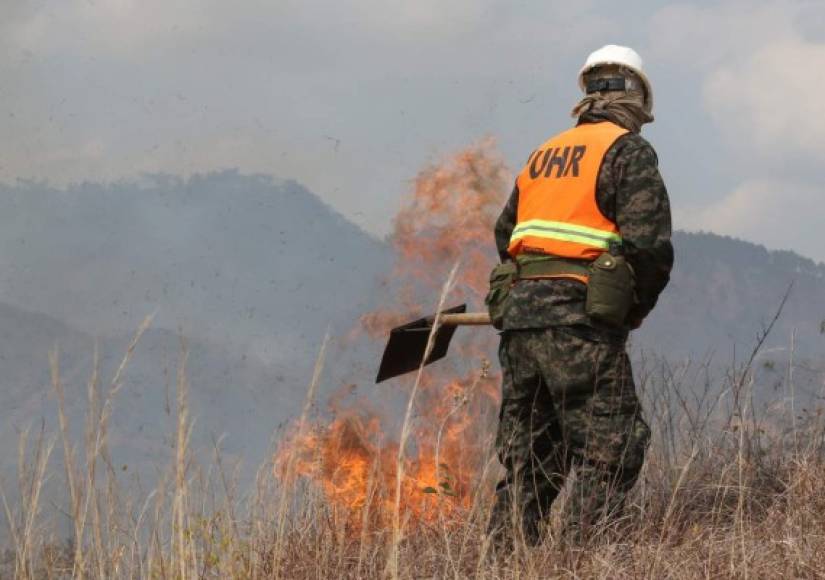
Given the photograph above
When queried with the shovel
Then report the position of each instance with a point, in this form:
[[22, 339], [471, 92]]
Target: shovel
[[408, 343]]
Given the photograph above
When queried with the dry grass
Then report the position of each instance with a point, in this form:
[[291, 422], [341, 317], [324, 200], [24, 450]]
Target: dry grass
[[728, 491]]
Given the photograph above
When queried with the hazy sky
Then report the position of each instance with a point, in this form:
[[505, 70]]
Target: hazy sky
[[351, 97]]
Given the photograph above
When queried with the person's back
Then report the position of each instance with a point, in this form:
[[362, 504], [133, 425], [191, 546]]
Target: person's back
[[587, 228]]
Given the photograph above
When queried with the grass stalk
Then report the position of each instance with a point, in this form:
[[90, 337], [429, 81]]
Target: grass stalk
[[392, 558]]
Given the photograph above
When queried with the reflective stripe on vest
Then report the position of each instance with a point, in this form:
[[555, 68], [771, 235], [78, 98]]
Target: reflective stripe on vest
[[565, 232], [557, 209]]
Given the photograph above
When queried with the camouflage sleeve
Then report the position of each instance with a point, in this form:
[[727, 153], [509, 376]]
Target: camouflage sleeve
[[505, 224], [642, 212]]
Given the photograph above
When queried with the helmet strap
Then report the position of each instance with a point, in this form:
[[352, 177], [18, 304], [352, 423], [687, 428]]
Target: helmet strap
[[606, 84]]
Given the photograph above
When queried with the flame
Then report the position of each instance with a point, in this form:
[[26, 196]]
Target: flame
[[447, 218]]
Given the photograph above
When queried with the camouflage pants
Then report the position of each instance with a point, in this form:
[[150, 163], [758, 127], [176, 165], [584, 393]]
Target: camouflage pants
[[568, 404]]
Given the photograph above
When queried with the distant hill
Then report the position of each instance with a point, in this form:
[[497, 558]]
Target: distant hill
[[230, 394], [254, 271], [251, 270], [724, 291], [259, 265]]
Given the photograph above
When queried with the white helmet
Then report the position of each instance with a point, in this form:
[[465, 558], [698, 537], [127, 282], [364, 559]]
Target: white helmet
[[621, 55]]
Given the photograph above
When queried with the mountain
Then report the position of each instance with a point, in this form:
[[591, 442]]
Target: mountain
[[231, 396], [259, 265], [253, 271], [723, 294]]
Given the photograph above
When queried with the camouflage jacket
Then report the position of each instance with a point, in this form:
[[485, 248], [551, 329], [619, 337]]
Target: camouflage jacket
[[629, 192]]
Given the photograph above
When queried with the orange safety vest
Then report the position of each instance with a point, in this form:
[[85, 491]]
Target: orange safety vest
[[557, 209]]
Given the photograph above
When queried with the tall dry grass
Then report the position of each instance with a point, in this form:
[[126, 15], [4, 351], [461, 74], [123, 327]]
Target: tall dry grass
[[731, 489]]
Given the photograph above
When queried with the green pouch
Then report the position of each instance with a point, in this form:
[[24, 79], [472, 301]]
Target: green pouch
[[610, 290], [502, 279]]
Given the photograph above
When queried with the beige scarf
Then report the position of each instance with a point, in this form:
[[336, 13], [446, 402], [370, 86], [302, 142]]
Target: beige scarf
[[626, 108]]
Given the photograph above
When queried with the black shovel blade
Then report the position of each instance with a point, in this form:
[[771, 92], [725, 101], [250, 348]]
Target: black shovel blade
[[407, 345]]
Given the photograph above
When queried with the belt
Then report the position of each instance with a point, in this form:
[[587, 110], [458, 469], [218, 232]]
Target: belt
[[553, 268]]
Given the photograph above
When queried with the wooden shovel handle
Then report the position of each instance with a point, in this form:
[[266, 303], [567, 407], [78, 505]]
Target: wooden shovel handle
[[465, 319]]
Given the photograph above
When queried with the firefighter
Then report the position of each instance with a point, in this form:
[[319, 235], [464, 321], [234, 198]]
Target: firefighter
[[584, 241]]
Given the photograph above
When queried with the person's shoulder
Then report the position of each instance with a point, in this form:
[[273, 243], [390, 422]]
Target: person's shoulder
[[634, 141], [634, 145]]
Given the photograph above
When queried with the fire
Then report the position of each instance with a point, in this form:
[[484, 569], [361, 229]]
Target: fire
[[352, 458]]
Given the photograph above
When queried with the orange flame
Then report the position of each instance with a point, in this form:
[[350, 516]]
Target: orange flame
[[449, 218]]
